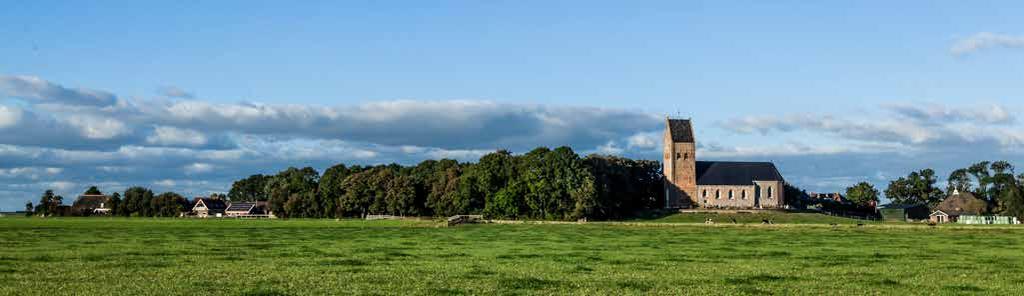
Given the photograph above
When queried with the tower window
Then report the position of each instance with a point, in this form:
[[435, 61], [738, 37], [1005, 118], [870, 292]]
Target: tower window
[[677, 155], [686, 156]]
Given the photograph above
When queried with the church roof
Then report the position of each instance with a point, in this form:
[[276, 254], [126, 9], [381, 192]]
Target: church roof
[[735, 173], [681, 130]]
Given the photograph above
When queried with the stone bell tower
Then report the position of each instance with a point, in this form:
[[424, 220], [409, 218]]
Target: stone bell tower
[[680, 164]]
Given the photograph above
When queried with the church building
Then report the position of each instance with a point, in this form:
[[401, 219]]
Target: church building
[[715, 184]]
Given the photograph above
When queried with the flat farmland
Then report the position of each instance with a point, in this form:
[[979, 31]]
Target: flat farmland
[[104, 256]]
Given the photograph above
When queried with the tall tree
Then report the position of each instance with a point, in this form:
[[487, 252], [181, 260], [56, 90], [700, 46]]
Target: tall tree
[[138, 202], [115, 204], [93, 191], [49, 203], [863, 194], [1012, 200], [282, 186], [332, 188], [982, 177], [249, 189], [918, 187], [624, 186], [168, 204], [358, 194], [959, 180], [444, 190], [1002, 180], [401, 196], [29, 209]]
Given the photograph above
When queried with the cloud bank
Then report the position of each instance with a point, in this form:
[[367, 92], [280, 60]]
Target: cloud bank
[[66, 138], [171, 142], [985, 40]]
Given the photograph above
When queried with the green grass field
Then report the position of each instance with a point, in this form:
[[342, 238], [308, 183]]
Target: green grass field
[[102, 256]]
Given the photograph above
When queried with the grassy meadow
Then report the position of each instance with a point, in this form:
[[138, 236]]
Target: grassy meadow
[[105, 256]]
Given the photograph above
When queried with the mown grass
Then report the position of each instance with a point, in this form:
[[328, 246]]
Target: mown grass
[[758, 218], [103, 256]]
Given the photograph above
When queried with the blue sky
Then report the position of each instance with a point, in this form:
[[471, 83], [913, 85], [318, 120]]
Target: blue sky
[[189, 96]]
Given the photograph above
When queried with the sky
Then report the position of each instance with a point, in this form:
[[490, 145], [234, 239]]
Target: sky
[[188, 97]]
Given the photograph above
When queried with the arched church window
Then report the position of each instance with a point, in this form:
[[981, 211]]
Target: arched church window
[[704, 193], [718, 194], [743, 194], [769, 192], [730, 194]]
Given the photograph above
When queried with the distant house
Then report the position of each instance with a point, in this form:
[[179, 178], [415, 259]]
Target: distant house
[[91, 204], [956, 205], [835, 196], [205, 207], [247, 209], [908, 213]]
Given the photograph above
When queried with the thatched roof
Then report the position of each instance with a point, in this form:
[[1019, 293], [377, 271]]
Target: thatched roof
[[962, 203]]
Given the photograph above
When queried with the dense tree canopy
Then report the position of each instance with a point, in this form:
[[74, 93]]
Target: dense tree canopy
[[918, 187], [249, 189], [542, 184], [863, 194], [49, 204], [93, 191]]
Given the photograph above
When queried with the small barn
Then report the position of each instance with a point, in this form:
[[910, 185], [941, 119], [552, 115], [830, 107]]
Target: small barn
[[940, 216], [246, 209], [908, 213], [205, 207]]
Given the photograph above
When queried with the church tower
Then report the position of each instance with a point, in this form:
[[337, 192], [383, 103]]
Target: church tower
[[680, 164]]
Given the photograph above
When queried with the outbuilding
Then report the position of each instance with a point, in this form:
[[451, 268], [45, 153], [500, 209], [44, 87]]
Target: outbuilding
[[907, 213], [246, 209]]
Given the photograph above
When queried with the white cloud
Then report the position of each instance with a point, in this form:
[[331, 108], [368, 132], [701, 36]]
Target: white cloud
[[169, 135], [33, 173], [93, 127], [198, 168], [648, 140], [985, 40], [165, 183], [941, 114], [39, 90], [919, 125], [60, 185], [9, 116], [610, 148]]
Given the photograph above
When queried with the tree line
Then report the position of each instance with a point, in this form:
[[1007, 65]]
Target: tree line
[[547, 184], [994, 182], [544, 184], [135, 202]]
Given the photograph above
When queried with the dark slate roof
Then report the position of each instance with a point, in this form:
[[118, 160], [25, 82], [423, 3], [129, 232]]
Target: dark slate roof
[[735, 173], [241, 206], [681, 130], [211, 203]]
